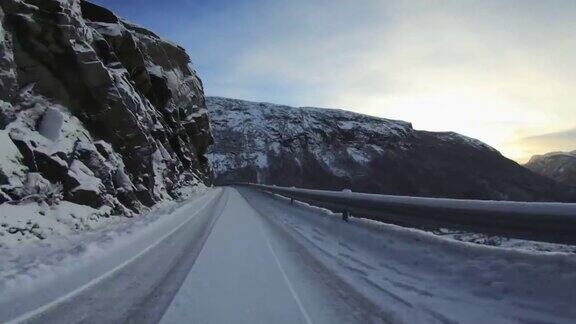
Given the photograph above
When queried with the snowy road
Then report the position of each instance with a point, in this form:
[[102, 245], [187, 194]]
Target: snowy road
[[251, 272], [412, 276], [268, 261], [242, 256]]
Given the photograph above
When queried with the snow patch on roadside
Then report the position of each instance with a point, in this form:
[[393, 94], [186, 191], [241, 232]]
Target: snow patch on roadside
[[450, 235], [81, 243], [32, 222]]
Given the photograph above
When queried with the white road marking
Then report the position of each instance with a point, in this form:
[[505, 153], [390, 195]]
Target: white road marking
[[286, 279]]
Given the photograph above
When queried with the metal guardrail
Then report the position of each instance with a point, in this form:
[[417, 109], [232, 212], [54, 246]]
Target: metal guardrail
[[547, 222]]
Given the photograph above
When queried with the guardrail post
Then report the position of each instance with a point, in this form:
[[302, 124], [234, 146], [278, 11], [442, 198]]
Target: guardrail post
[[291, 201], [345, 215]]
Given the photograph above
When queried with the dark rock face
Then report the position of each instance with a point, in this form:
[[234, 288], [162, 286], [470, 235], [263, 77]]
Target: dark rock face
[[558, 166], [335, 149], [78, 85]]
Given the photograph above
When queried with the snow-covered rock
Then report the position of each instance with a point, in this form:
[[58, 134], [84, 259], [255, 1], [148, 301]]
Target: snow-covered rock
[[559, 166], [87, 100], [336, 149], [51, 123]]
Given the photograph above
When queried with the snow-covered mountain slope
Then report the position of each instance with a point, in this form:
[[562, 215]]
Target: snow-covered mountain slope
[[94, 110], [336, 149], [559, 166]]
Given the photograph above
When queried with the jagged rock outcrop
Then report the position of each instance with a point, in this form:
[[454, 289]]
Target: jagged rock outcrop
[[558, 166], [335, 149], [107, 110]]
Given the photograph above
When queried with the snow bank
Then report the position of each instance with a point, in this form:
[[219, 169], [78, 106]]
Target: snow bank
[[448, 234], [79, 245], [31, 223]]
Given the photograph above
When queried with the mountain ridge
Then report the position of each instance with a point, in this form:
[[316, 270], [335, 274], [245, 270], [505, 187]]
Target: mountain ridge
[[558, 166], [336, 149]]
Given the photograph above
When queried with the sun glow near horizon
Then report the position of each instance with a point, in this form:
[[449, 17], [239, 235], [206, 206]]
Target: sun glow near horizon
[[494, 121]]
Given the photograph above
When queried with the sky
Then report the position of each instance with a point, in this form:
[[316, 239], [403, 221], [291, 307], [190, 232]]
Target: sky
[[501, 71]]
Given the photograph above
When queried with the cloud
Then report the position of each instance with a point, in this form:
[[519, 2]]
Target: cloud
[[557, 141], [568, 136]]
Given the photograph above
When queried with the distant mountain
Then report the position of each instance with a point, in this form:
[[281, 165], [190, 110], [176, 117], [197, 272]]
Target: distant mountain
[[559, 166], [336, 149]]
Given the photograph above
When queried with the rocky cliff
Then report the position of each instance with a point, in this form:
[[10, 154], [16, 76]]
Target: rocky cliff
[[559, 166], [95, 109], [335, 149]]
